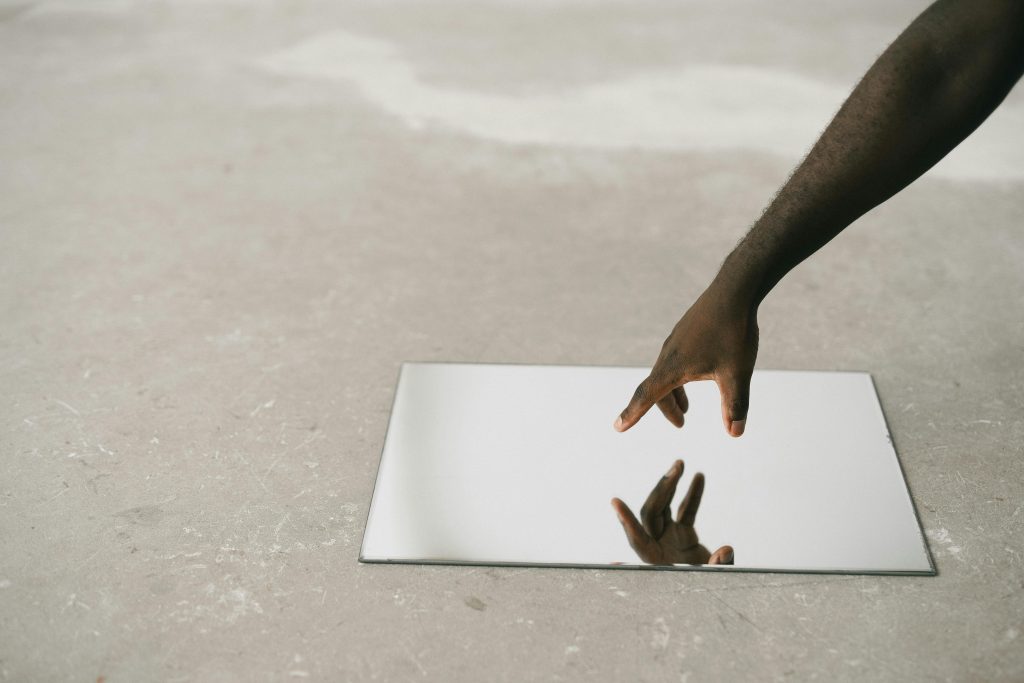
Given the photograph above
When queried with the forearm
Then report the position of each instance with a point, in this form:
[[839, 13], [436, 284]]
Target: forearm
[[928, 91]]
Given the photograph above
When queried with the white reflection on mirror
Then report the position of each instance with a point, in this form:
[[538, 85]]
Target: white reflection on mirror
[[518, 465]]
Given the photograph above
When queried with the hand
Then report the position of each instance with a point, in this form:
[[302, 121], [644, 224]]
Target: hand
[[716, 339], [663, 541]]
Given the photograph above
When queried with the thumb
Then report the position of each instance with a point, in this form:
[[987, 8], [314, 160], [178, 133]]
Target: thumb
[[645, 396], [723, 555], [735, 390]]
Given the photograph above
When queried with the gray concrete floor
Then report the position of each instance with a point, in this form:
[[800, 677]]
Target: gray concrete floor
[[223, 225]]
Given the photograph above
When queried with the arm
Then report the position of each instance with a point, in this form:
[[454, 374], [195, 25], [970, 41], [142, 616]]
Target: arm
[[928, 91]]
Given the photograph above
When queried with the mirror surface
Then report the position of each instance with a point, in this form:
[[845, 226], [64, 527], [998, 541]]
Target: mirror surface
[[518, 465]]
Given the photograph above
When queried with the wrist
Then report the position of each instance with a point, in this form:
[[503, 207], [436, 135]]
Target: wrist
[[740, 280]]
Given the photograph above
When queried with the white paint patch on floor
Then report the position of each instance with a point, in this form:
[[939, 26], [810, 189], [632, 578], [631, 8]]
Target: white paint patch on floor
[[693, 108], [941, 540]]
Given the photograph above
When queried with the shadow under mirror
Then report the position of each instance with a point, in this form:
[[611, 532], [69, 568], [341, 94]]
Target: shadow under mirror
[[516, 465]]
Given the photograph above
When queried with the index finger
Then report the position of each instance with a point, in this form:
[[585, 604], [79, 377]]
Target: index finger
[[649, 392], [655, 512], [638, 539]]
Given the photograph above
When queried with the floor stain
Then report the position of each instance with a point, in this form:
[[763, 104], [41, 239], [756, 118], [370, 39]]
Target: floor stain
[[476, 603], [144, 515]]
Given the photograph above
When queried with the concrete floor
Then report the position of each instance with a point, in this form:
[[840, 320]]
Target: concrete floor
[[223, 225]]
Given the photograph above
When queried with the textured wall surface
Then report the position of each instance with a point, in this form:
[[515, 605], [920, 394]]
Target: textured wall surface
[[224, 224]]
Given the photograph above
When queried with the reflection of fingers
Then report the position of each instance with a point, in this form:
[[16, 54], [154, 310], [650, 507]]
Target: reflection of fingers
[[688, 508], [670, 409], [635, 534], [723, 555], [653, 512], [645, 396]]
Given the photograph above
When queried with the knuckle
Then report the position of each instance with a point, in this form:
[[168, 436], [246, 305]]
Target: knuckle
[[672, 359], [641, 393]]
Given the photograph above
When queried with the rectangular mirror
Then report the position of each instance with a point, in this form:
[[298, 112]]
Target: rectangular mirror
[[518, 465]]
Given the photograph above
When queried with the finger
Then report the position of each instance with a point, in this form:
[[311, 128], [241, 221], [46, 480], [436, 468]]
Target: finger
[[723, 555], [688, 508], [671, 410], [655, 513], [735, 390], [646, 395], [681, 400], [635, 534], [666, 513]]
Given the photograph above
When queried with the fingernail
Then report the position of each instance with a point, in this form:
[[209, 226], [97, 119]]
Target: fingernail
[[671, 470], [618, 424], [736, 427]]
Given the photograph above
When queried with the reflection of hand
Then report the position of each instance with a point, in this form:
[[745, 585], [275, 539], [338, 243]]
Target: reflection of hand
[[716, 339], [660, 540]]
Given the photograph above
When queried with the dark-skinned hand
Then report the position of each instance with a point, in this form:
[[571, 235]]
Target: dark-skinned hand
[[662, 540], [716, 339]]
